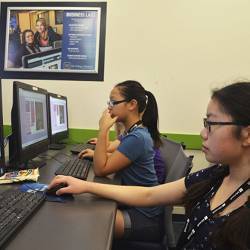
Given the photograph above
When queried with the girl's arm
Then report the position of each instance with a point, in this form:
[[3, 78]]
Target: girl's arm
[[169, 193], [113, 145], [105, 164]]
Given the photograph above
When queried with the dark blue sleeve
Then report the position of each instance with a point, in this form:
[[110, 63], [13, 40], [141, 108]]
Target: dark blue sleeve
[[132, 146], [200, 175]]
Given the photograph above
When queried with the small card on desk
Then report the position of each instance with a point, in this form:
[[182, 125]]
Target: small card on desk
[[40, 187]]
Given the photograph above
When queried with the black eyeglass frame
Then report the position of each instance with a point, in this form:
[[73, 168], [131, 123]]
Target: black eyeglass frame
[[207, 124]]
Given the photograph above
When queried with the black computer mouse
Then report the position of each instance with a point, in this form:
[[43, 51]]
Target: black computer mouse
[[89, 158], [53, 190]]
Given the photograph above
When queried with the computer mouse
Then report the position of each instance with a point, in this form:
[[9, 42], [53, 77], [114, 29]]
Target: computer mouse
[[53, 190], [89, 158]]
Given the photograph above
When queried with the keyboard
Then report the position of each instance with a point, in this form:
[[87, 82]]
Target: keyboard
[[80, 147], [15, 208], [78, 168]]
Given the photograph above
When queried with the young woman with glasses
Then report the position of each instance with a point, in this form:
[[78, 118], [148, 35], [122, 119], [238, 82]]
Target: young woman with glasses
[[216, 198], [136, 108]]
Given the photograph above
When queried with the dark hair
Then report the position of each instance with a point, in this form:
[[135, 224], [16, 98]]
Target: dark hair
[[235, 101], [234, 232], [146, 103], [24, 33]]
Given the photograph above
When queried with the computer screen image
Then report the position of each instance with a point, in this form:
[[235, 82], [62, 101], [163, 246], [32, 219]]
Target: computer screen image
[[44, 60], [29, 121], [33, 117], [58, 113]]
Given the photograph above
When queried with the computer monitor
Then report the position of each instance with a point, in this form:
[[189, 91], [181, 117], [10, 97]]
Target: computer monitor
[[2, 159], [29, 121], [58, 125], [48, 59]]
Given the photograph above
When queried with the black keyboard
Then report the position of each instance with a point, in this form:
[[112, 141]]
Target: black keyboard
[[78, 168], [80, 147], [15, 208]]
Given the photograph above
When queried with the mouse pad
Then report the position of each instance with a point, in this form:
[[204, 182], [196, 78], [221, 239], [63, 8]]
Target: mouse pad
[[39, 187]]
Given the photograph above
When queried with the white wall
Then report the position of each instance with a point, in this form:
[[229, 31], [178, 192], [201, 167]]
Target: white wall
[[178, 49]]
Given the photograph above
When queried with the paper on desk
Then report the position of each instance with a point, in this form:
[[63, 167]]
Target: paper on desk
[[20, 175]]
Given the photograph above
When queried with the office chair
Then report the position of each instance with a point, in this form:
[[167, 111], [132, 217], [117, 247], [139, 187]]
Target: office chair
[[177, 166]]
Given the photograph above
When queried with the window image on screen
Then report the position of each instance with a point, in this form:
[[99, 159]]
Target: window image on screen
[[29, 122], [33, 117], [58, 115], [58, 128]]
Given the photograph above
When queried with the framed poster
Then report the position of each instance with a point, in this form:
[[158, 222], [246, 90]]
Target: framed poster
[[53, 40]]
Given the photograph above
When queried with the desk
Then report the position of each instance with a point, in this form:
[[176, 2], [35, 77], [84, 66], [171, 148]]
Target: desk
[[86, 223]]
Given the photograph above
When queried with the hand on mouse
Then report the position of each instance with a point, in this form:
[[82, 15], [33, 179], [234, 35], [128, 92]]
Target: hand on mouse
[[73, 185], [86, 153]]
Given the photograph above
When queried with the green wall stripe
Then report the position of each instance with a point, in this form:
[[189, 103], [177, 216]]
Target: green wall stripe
[[76, 135], [6, 130], [190, 140]]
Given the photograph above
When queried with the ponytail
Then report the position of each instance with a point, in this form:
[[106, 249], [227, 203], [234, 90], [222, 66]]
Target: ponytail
[[150, 118]]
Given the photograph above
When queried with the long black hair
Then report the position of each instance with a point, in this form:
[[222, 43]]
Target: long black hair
[[146, 104], [234, 100]]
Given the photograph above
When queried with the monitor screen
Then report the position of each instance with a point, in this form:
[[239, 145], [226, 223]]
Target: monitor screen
[[33, 117], [58, 117], [29, 122], [58, 114]]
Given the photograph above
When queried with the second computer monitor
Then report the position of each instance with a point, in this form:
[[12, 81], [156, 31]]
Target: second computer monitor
[[58, 118]]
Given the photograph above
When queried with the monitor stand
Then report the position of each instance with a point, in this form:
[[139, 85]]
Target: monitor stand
[[55, 146], [31, 164]]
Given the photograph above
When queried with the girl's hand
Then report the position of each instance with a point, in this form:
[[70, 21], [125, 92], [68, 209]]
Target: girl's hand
[[92, 141], [106, 121], [86, 153], [74, 185]]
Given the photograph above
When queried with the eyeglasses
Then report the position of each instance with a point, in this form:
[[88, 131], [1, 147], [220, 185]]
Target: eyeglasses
[[208, 124], [112, 103]]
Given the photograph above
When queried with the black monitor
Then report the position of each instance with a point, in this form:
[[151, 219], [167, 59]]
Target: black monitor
[[29, 122], [45, 60], [58, 125], [2, 159]]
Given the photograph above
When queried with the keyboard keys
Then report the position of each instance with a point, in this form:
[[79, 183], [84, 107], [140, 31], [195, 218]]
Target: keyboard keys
[[15, 208], [80, 147], [78, 168]]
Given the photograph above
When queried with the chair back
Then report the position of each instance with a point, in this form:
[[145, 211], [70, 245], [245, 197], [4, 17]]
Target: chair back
[[178, 165]]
